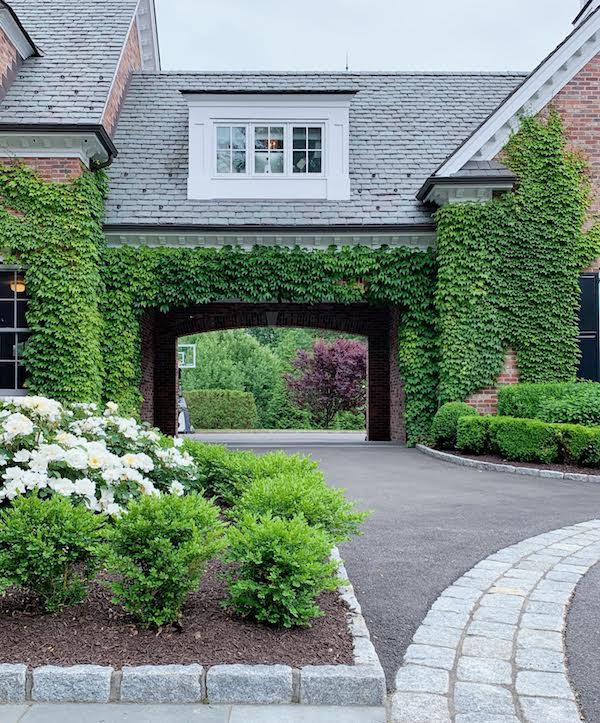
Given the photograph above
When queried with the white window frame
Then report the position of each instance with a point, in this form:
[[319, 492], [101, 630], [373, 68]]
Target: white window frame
[[288, 150], [330, 112]]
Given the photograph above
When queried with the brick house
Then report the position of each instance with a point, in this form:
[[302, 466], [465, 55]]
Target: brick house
[[308, 159]]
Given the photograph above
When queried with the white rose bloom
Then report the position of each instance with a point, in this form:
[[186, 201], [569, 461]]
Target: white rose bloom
[[76, 458], [68, 440], [177, 441], [61, 485], [17, 425], [84, 487], [133, 475], [176, 488], [111, 408], [112, 474], [23, 455], [114, 510]]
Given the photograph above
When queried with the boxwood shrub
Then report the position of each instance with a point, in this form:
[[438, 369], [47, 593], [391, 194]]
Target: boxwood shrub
[[564, 403], [523, 440], [473, 435], [221, 409], [445, 423]]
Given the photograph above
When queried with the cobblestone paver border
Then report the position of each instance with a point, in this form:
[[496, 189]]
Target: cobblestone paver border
[[361, 684], [491, 648], [505, 468]]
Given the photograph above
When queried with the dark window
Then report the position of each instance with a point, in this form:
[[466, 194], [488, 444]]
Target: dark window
[[13, 329], [589, 328]]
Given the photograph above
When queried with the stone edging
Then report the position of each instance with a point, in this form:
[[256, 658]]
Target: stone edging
[[492, 645], [506, 468], [348, 685]]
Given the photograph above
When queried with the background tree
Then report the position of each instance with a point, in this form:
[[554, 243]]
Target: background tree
[[329, 379]]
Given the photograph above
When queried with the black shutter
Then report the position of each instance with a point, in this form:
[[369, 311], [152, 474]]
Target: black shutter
[[589, 331]]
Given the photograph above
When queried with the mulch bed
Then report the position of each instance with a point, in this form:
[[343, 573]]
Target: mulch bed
[[100, 632], [496, 459]]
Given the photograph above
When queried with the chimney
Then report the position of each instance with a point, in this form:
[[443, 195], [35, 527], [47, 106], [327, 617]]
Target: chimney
[[587, 8]]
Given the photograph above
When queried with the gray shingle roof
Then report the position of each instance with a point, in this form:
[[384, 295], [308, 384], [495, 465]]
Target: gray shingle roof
[[402, 126], [477, 169], [81, 41]]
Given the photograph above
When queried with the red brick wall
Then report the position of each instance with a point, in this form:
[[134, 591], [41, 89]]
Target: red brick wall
[[486, 401], [9, 62], [59, 170], [131, 60], [379, 324]]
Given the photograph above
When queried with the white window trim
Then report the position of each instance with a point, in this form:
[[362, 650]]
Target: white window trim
[[327, 111]]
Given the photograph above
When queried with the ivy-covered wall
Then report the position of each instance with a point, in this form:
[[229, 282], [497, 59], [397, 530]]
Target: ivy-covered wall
[[505, 275], [509, 268], [136, 279]]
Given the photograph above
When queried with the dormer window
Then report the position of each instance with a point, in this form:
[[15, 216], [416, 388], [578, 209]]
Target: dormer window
[[284, 146]]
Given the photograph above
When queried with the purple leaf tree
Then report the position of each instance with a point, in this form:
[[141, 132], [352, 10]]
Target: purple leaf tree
[[328, 379]]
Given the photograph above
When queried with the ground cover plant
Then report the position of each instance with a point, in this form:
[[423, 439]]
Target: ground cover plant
[[91, 498]]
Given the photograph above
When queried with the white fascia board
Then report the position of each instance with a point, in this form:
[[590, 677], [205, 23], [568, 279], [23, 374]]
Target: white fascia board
[[148, 35], [15, 34], [531, 97], [220, 239], [84, 146]]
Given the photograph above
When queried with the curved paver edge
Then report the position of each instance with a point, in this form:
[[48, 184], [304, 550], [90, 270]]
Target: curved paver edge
[[506, 468], [492, 645]]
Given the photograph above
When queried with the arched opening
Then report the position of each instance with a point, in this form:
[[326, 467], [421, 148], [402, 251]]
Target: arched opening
[[378, 324]]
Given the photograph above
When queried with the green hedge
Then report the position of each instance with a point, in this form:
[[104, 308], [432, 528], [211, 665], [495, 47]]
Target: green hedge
[[529, 440], [221, 409], [443, 427], [551, 402]]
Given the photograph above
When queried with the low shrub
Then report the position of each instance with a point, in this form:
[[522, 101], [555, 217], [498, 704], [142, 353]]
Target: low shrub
[[225, 474], [524, 440], [287, 495], [221, 409], [552, 402], [158, 551], [576, 442], [473, 435], [445, 423], [50, 548], [281, 567]]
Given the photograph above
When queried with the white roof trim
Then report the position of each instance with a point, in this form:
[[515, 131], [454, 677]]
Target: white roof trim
[[532, 96], [148, 35], [15, 34]]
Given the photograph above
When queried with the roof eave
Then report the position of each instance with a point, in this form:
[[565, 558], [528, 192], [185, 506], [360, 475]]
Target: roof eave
[[28, 39], [500, 183]]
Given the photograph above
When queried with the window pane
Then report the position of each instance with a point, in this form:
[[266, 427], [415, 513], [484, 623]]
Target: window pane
[[21, 309], [299, 162], [260, 162], [314, 138], [276, 138], [21, 342], [239, 162], [7, 375], [299, 137], [261, 137], [223, 159], [277, 162], [314, 161], [6, 279], [21, 375], [223, 137], [238, 135], [7, 346], [7, 314]]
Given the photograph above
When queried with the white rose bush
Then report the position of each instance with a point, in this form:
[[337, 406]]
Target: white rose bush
[[91, 455]]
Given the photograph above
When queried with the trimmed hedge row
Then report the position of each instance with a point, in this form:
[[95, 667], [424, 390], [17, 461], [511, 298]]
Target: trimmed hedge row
[[529, 440], [221, 409], [565, 403]]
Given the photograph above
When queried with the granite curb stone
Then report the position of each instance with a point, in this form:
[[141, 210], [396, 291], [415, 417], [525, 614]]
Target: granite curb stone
[[162, 684], [73, 684], [13, 679]]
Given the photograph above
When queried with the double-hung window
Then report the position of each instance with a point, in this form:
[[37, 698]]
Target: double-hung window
[[13, 331], [259, 149]]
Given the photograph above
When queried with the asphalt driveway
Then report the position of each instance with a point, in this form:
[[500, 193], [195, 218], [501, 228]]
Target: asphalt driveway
[[431, 522]]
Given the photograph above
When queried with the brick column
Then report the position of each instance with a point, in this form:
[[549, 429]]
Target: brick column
[[486, 400], [396, 384], [165, 378], [378, 387], [147, 323]]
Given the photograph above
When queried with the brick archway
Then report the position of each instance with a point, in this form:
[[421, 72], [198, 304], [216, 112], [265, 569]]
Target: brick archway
[[379, 324]]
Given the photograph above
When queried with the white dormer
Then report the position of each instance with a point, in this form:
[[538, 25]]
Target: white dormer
[[269, 145]]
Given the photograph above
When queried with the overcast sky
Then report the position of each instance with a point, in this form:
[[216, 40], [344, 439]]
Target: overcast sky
[[378, 34]]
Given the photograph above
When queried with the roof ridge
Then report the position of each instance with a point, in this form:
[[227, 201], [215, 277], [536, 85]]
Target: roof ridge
[[340, 73]]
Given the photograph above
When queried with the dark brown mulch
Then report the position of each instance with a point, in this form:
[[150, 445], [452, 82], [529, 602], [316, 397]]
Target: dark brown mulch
[[497, 459], [97, 631]]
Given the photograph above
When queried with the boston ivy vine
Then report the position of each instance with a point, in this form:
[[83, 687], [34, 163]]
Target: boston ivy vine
[[136, 279], [54, 230], [505, 275], [508, 269]]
